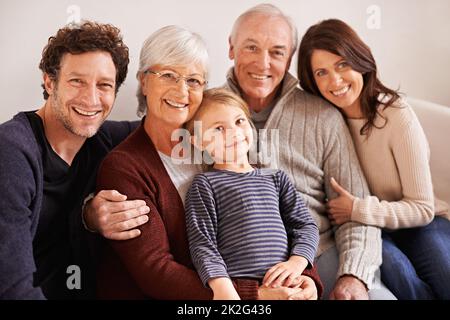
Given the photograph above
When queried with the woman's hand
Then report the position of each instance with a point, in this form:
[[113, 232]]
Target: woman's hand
[[340, 208], [305, 289]]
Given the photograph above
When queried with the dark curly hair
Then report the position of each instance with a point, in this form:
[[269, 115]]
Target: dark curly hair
[[337, 37], [86, 37]]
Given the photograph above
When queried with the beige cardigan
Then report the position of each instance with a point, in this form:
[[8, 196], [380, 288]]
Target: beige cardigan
[[395, 161]]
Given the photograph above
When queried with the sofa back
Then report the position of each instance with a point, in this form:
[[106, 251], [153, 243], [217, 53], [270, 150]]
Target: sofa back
[[435, 120]]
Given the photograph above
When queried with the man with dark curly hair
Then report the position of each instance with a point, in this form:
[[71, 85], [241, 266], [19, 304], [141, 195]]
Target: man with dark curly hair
[[48, 164]]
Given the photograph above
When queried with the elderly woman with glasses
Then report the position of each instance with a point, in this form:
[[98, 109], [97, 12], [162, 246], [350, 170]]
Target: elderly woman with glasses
[[150, 165]]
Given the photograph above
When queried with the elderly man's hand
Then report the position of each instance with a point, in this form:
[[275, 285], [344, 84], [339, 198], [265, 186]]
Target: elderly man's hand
[[349, 288], [115, 217]]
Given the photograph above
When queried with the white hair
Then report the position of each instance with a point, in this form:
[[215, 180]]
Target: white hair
[[270, 10], [170, 45]]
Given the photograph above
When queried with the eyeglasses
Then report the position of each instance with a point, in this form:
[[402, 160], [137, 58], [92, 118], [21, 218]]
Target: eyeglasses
[[171, 78]]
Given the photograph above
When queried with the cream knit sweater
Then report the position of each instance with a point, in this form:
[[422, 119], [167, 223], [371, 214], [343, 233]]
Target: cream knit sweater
[[314, 145], [395, 161]]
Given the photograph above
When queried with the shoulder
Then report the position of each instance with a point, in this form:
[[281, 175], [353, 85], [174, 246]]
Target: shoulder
[[279, 176], [116, 131], [20, 160], [283, 177], [17, 137], [201, 184], [134, 168], [399, 115], [315, 103], [320, 116], [17, 130], [110, 126], [132, 152], [316, 111], [204, 178]]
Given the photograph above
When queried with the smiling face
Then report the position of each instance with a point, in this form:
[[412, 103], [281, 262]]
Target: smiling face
[[338, 82], [83, 95], [172, 104], [226, 134], [261, 51]]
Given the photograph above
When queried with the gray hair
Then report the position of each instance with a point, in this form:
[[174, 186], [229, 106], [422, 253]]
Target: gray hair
[[170, 45], [270, 10]]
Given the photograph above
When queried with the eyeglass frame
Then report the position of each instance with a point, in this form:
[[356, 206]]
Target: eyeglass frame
[[185, 78]]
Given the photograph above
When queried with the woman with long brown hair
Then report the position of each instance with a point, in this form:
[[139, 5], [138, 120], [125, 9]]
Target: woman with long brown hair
[[335, 64]]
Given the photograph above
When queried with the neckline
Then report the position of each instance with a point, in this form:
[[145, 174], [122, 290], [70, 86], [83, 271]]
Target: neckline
[[48, 146], [254, 172]]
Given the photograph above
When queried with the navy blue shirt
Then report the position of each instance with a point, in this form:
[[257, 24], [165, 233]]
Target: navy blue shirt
[[41, 232]]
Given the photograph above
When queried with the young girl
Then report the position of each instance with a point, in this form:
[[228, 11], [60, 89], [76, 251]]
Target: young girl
[[242, 222], [337, 65]]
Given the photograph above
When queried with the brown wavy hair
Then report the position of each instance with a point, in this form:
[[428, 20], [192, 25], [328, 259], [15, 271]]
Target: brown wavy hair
[[86, 37], [337, 37]]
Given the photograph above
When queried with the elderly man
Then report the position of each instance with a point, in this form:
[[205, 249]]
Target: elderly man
[[315, 146], [48, 164]]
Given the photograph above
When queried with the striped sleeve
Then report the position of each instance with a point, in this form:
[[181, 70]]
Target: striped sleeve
[[300, 225], [201, 223]]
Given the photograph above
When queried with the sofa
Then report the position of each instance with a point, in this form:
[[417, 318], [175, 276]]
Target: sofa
[[435, 120]]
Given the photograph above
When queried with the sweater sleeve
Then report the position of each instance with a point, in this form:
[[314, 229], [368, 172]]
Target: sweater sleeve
[[17, 189], [302, 230], [148, 258], [201, 223], [411, 153], [359, 245]]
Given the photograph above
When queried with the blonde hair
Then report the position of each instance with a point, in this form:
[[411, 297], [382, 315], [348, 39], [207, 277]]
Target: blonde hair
[[211, 97], [221, 96]]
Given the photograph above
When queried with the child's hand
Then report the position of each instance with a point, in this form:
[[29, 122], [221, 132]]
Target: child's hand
[[285, 273], [223, 289]]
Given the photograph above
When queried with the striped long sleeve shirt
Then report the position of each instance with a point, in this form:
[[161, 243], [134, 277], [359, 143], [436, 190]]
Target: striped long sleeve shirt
[[241, 224]]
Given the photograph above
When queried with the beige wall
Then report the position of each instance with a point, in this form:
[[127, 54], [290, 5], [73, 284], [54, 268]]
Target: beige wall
[[412, 45]]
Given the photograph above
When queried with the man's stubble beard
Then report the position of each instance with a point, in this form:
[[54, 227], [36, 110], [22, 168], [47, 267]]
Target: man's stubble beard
[[58, 109]]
